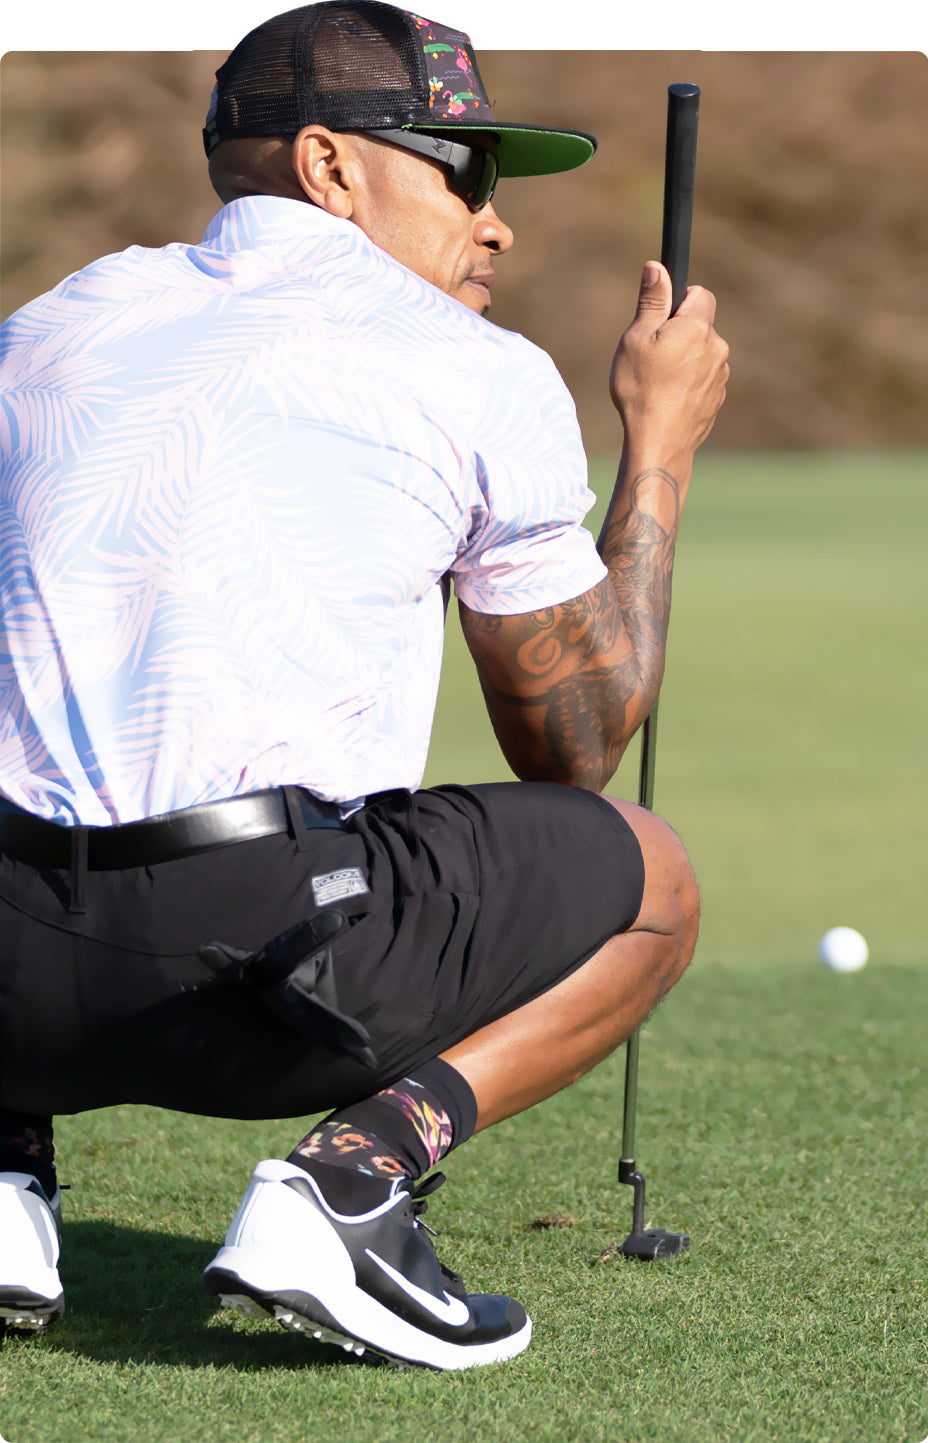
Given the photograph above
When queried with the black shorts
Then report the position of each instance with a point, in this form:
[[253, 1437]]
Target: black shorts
[[480, 898]]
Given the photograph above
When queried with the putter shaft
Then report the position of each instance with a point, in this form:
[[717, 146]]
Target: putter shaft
[[679, 186]]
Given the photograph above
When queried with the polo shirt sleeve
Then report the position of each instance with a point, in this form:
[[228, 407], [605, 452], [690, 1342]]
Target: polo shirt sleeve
[[526, 546]]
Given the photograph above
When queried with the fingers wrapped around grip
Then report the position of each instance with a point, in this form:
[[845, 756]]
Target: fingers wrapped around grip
[[670, 373]]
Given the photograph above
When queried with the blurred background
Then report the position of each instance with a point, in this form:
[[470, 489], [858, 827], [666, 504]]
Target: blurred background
[[792, 720]]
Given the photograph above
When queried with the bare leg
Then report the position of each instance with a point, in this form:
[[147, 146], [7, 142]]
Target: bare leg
[[317, 1216], [550, 1042]]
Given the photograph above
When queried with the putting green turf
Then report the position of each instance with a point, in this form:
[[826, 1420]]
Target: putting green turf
[[782, 1109]]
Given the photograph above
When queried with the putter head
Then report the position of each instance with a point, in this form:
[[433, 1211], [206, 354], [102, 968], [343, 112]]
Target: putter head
[[651, 1243]]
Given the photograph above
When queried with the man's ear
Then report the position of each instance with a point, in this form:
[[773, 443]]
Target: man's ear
[[326, 168]]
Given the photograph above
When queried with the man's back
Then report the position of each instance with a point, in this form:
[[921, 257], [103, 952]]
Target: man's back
[[235, 476]]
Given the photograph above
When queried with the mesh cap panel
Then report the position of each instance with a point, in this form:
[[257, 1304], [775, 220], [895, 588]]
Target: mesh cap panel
[[366, 71], [344, 66], [366, 65]]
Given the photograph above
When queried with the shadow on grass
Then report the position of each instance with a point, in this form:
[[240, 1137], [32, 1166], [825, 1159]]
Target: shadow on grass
[[137, 1297]]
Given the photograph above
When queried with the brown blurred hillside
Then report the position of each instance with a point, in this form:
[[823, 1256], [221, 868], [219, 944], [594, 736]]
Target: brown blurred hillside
[[811, 220]]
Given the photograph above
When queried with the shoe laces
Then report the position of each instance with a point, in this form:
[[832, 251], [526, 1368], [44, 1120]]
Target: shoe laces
[[418, 1192]]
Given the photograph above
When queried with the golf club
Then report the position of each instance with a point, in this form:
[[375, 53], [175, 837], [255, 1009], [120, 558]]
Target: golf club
[[679, 182]]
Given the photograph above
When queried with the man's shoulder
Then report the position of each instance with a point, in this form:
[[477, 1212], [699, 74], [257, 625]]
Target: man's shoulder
[[330, 252], [295, 276]]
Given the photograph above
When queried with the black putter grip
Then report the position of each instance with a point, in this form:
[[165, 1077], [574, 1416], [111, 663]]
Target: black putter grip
[[679, 184]]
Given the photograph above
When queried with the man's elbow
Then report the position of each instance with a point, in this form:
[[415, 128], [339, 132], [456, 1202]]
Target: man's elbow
[[586, 758], [589, 723]]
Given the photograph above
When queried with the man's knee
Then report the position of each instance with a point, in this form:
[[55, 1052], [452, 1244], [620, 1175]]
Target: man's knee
[[670, 903]]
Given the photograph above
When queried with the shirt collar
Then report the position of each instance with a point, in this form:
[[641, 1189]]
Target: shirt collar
[[256, 219]]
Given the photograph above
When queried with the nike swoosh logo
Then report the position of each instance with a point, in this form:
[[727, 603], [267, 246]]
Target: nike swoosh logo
[[452, 1311]]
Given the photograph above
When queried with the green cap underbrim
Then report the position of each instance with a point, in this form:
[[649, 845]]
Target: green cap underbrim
[[527, 150]]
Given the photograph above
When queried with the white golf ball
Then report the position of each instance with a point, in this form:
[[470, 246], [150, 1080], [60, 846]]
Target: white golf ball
[[843, 950]]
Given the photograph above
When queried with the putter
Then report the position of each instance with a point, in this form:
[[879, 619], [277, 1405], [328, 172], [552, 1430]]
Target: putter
[[679, 182]]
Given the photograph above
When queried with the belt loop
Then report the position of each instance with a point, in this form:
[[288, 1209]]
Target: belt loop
[[410, 816], [298, 828], [78, 870], [413, 815]]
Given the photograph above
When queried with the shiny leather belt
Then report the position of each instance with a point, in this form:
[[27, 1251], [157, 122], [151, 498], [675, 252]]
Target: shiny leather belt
[[166, 838]]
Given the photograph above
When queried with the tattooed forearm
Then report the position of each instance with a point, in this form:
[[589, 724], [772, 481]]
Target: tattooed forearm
[[638, 549]]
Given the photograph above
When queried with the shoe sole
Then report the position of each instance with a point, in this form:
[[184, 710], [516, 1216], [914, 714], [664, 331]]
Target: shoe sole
[[298, 1322], [28, 1312], [303, 1313]]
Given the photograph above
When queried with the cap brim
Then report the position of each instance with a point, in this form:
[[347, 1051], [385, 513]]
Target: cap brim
[[528, 150]]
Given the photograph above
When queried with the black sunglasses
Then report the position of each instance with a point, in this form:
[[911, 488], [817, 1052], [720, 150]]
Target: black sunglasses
[[474, 168]]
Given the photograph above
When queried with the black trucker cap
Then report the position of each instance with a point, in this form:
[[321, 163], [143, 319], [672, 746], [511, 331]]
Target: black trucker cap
[[363, 65]]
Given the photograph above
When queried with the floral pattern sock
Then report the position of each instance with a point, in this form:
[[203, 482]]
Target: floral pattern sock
[[400, 1132]]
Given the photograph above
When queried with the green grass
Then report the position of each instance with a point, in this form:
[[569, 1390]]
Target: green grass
[[792, 717], [782, 1109]]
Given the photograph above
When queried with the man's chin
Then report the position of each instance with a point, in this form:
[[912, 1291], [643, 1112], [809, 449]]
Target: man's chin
[[476, 296]]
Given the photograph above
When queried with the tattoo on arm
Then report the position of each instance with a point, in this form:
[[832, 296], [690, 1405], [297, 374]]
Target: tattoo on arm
[[639, 552], [544, 639], [549, 662], [584, 720]]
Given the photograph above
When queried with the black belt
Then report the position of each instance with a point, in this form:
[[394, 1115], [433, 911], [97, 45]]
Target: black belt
[[165, 838]]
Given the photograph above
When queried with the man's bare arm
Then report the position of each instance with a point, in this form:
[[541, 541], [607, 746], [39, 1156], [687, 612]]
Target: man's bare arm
[[568, 686], [555, 682]]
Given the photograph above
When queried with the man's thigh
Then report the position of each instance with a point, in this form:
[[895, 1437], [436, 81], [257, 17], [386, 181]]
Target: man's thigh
[[480, 899], [558, 872]]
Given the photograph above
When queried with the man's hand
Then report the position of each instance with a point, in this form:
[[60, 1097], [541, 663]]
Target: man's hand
[[669, 374], [568, 687], [668, 383]]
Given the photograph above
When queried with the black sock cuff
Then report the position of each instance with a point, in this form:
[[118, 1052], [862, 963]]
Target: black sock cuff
[[27, 1145], [454, 1093]]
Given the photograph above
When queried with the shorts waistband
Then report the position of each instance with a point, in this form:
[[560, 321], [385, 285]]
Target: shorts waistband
[[162, 839]]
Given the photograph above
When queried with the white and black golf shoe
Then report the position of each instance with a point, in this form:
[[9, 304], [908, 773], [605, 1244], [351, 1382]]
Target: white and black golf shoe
[[31, 1295], [356, 1266]]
